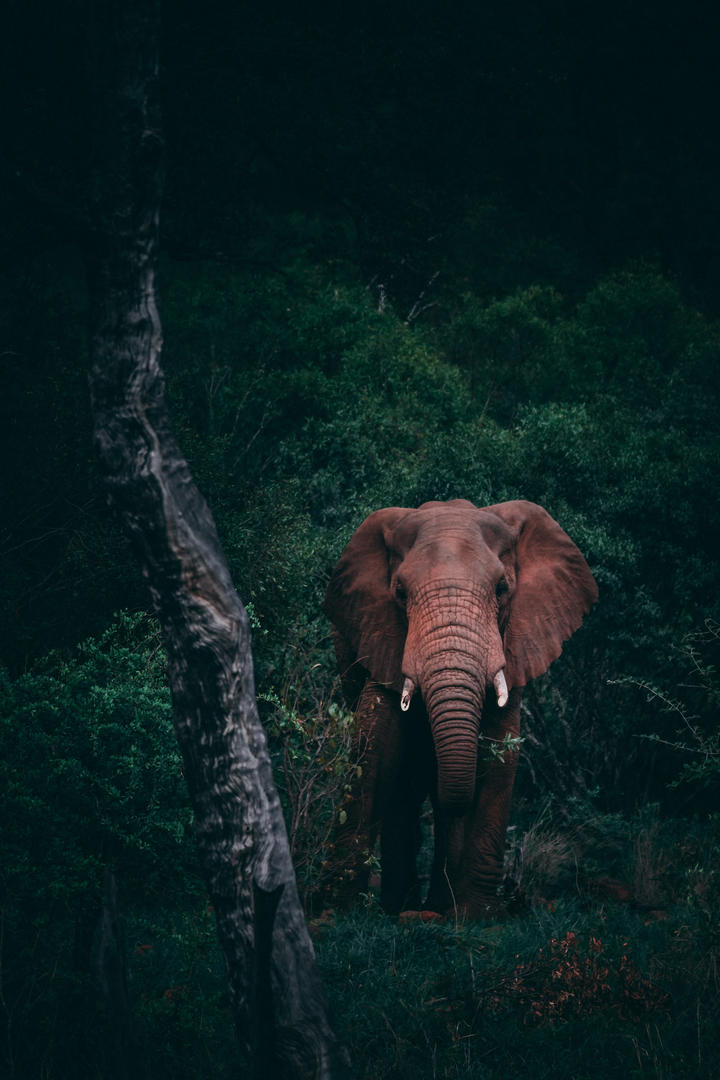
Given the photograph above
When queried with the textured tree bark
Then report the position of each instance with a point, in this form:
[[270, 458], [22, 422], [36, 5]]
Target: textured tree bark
[[279, 1007]]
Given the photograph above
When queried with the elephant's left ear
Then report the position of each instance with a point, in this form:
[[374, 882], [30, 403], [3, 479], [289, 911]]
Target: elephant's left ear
[[554, 589]]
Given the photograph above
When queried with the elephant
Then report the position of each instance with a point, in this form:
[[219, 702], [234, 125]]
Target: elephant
[[440, 616]]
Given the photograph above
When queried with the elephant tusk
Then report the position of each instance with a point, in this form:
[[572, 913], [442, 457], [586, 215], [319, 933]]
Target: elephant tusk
[[501, 688], [407, 692]]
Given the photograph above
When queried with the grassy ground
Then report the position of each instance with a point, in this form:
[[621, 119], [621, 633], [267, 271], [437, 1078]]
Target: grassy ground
[[565, 993], [608, 978], [608, 967], [571, 992], [575, 988]]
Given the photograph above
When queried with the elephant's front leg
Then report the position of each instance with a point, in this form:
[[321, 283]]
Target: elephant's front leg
[[448, 848], [407, 785], [380, 755], [478, 886]]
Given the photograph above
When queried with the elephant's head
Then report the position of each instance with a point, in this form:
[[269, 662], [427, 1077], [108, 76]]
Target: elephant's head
[[455, 602]]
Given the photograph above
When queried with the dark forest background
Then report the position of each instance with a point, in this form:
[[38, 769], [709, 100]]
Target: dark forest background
[[410, 252]]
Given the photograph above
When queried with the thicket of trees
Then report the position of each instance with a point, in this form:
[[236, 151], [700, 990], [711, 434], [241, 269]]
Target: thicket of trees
[[301, 407], [404, 260]]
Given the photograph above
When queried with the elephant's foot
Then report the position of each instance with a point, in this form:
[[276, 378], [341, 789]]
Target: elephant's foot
[[463, 907], [396, 897]]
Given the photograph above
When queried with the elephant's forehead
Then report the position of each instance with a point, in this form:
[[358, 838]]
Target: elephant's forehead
[[451, 524], [498, 535]]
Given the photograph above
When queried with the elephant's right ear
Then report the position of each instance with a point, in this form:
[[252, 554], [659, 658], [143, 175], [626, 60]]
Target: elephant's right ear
[[360, 605]]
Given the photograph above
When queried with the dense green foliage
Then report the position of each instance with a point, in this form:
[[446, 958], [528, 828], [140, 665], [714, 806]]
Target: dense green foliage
[[90, 778], [302, 407], [94, 734]]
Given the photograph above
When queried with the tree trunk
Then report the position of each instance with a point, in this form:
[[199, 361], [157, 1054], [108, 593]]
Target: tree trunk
[[279, 1007]]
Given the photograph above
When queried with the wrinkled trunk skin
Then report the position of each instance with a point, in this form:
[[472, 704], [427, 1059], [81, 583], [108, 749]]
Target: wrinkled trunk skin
[[454, 704], [454, 654]]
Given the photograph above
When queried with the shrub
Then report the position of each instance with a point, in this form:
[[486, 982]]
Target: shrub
[[691, 728], [90, 779], [310, 738]]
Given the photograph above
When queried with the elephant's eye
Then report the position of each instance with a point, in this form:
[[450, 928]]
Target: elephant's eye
[[400, 592], [501, 588]]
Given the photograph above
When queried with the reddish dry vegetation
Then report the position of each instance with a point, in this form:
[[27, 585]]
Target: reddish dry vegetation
[[570, 980], [420, 916]]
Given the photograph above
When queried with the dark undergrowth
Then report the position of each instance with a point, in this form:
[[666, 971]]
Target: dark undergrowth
[[595, 980], [569, 990], [604, 976]]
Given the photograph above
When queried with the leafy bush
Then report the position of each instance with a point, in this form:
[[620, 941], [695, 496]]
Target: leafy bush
[[310, 740], [101, 777], [695, 709], [90, 779]]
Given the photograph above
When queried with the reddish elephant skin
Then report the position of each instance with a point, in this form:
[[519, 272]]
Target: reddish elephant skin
[[440, 616]]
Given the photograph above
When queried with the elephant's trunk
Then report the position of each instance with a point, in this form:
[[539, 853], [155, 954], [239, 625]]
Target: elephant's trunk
[[457, 652], [454, 709], [453, 651]]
